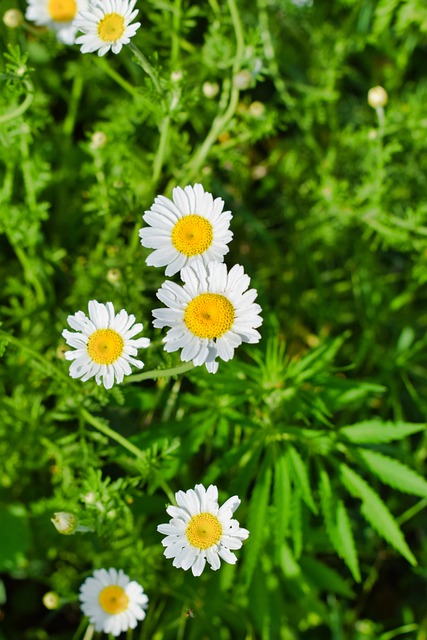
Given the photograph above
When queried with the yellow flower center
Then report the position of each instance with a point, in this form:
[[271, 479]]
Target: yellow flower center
[[111, 27], [192, 235], [105, 346], [203, 530], [209, 315], [62, 10], [113, 599]]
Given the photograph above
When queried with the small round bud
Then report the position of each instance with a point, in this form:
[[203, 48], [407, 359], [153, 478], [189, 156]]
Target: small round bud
[[210, 89], [90, 497], [259, 172], [377, 97], [98, 140], [65, 523], [61, 350], [13, 18], [51, 600], [242, 80], [176, 76], [114, 275], [257, 109]]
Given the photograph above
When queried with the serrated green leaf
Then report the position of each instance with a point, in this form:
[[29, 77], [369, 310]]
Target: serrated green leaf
[[300, 477], [376, 512], [337, 525], [346, 547], [394, 473], [376, 431], [296, 522], [256, 521], [281, 502]]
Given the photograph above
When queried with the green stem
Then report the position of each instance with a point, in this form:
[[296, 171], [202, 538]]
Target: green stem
[[89, 632], [221, 121], [160, 373], [161, 149], [79, 632], [146, 66], [18, 111], [104, 65], [76, 93], [107, 431], [410, 513]]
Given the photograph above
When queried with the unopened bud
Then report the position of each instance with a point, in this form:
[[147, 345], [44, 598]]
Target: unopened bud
[[377, 97], [256, 109], [176, 76], [114, 275], [51, 600], [64, 522], [210, 89], [98, 140], [13, 18], [242, 80]]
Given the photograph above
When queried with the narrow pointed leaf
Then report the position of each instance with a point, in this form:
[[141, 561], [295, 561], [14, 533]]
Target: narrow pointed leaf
[[376, 512], [394, 473], [281, 501], [256, 521], [300, 477], [376, 431]]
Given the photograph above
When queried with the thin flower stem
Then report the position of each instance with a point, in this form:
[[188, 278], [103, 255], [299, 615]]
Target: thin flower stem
[[161, 149], [80, 629], [89, 632], [124, 84], [146, 66], [221, 121], [18, 111], [107, 431], [160, 373], [73, 106]]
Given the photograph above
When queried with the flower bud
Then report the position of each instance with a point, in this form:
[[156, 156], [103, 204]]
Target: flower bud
[[242, 80], [114, 275], [51, 600], [210, 89], [98, 140], [377, 97], [64, 522], [13, 18]]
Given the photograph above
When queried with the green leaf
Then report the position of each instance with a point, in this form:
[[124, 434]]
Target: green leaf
[[337, 525], [300, 477], [346, 547], [376, 431], [376, 512], [324, 578], [281, 502], [256, 521], [394, 473], [296, 522]]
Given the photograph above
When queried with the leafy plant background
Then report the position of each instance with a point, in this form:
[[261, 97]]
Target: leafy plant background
[[320, 428]]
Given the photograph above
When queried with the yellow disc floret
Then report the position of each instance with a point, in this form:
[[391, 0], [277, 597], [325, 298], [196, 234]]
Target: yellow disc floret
[[105, 346], [204, 530], [111, 27], [192, 235], [62, 10], [113, 600], [209, 315]]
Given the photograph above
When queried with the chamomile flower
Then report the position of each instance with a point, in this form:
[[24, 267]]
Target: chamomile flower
[[112, 602], [190, 226], [200, 530], [57, 15], [211, 315], [104, 344], [107, 25]]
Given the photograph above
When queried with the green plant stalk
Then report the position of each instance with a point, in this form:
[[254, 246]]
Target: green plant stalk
[[161, 149], [221, 121], [22, 108], [110, 433], [124, 84], [159, 373], [73, 105], [146, 66]]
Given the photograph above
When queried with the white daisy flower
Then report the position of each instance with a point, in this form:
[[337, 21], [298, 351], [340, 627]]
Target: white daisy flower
[[104, 344], [106, 25], [200, 530], [57, 15], [192, 225], [211, 315], [112, 602]]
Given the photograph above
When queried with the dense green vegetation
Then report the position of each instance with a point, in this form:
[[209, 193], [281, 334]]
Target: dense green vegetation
[[319, 428]]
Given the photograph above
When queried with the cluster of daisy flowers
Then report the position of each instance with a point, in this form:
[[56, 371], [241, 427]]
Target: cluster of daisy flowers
[[105, 24], [208, 316], [199, 532]]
